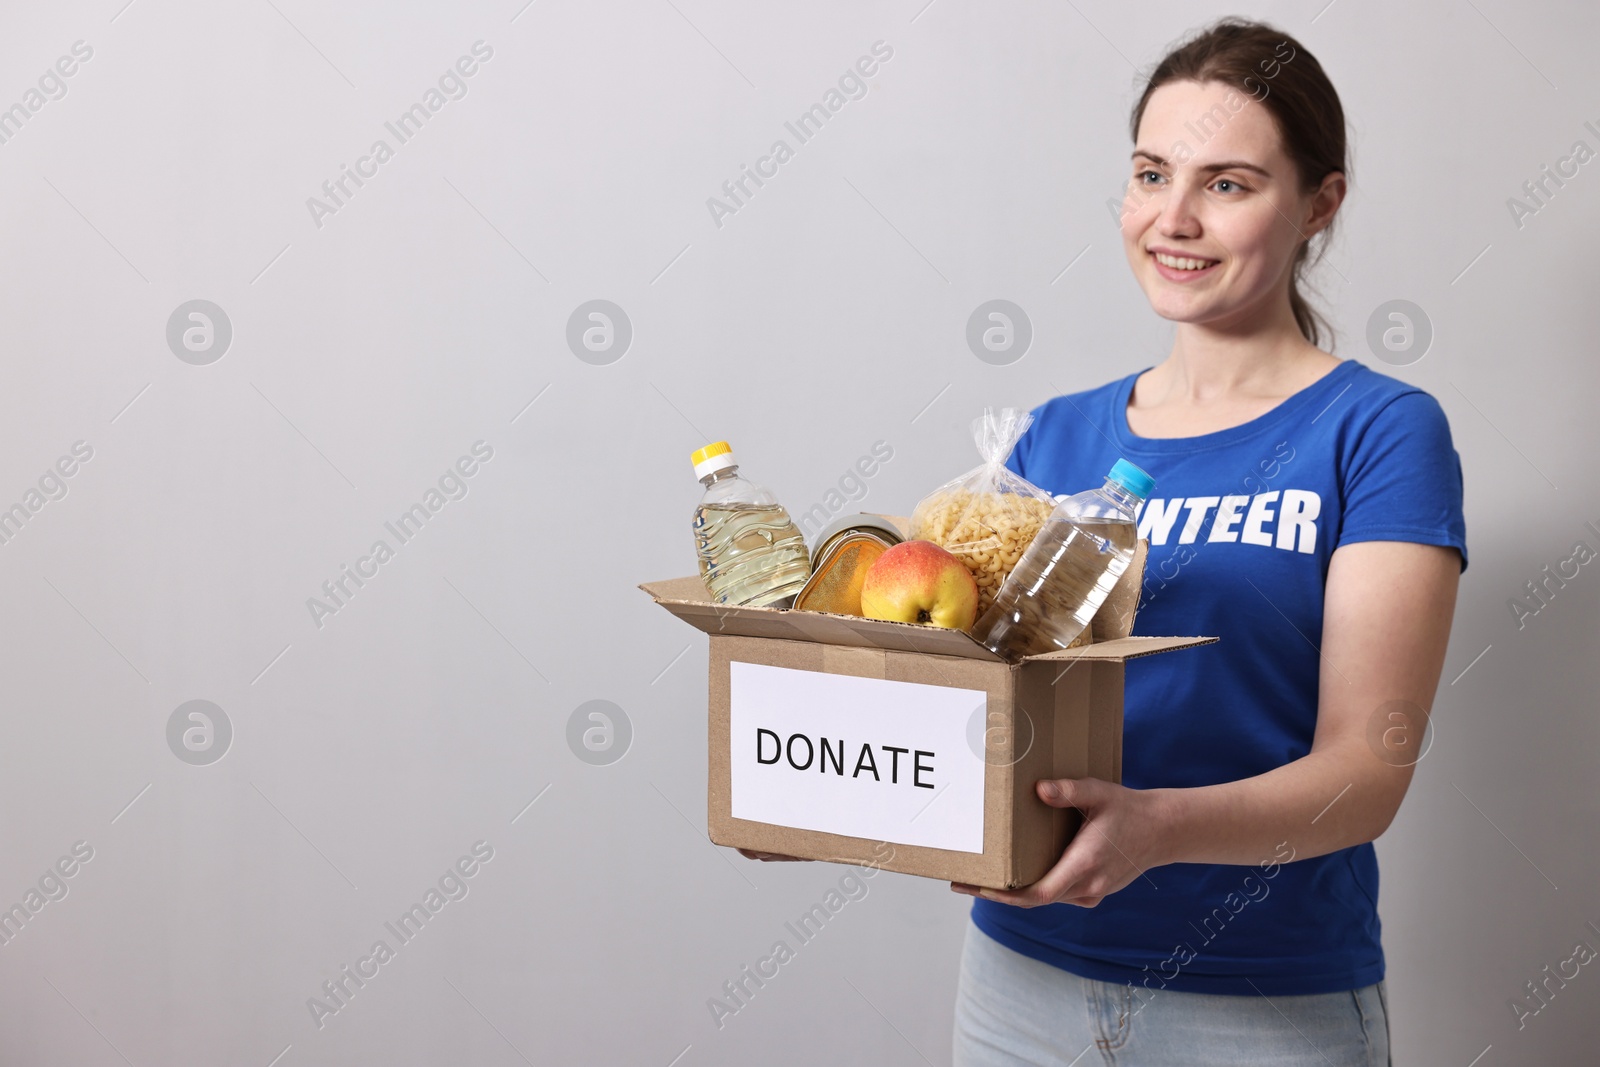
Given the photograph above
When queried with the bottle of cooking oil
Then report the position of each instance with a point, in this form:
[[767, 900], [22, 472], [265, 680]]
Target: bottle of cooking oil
[[1068, 569], [751, 552]]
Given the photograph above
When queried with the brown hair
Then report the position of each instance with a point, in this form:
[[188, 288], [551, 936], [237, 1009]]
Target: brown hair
[[1297, 94]]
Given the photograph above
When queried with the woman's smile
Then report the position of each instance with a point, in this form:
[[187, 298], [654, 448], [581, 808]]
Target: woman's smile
[[1180, 268]]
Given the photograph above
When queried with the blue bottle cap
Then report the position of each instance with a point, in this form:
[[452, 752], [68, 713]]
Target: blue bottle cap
[[1132, 479]]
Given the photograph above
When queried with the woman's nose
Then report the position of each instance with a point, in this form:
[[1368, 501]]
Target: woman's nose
[[1178, 217]]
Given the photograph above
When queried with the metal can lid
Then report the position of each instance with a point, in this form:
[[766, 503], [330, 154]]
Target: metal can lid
[[860, 521]]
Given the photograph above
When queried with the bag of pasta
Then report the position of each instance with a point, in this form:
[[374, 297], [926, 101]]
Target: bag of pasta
[[987, 517]]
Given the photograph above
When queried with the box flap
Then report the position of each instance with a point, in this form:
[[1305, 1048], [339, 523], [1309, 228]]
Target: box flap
[[1123, 648], [690, 590], [833, 629], [688, 599]]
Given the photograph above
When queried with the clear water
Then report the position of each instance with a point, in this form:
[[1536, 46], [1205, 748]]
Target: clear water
[[1057, 586], [750, 554]]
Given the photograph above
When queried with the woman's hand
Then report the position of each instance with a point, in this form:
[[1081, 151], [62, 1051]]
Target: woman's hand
[[1124, 834]]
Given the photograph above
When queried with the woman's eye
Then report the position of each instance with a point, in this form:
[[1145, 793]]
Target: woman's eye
[[1232, 186], [1146, 175]]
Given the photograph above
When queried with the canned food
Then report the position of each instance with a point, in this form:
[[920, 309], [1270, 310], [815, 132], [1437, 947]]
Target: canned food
[[845, 549]]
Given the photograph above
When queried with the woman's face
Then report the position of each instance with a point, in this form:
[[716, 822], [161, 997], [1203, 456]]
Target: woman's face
[[1214, 209]]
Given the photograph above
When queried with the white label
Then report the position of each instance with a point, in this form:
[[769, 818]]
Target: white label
[[862, 757]]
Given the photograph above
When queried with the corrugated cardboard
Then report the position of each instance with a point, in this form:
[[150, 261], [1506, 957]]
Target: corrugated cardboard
[[1057, 715]]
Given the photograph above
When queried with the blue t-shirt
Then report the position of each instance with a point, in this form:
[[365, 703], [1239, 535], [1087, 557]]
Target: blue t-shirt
[[1241, 525]]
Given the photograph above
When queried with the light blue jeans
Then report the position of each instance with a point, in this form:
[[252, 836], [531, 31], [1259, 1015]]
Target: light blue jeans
[[1012, 1009]]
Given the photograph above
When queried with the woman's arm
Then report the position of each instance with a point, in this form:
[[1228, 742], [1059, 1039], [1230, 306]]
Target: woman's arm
[[1386, 623]]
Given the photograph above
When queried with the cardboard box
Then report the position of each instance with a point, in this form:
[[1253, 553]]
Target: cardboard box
[[901, 746]]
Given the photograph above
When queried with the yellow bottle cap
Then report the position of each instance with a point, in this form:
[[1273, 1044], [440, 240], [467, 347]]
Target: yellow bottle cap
[[713, 457], [716, 448]]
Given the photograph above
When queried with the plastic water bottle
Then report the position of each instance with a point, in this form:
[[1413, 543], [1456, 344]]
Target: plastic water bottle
[[1068, 569], [751, 553]]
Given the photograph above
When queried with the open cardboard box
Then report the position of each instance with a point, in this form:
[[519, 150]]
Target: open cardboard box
[[904, 746]]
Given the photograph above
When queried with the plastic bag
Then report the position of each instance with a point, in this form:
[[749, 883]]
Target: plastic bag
[[987, 517]]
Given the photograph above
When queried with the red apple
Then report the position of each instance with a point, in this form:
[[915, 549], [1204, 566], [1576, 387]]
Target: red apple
[[917, 581]]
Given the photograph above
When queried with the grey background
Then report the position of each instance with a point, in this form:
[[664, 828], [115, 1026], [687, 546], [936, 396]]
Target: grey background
[[830, 312]]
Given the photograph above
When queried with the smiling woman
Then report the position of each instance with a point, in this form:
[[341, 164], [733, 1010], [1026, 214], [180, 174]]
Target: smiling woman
[[1257, 750], [1260, 163]]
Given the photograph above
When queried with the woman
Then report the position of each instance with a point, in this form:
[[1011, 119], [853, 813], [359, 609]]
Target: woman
[[1219, 907]]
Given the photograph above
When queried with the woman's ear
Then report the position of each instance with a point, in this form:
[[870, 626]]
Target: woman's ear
[[1325, 203]]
